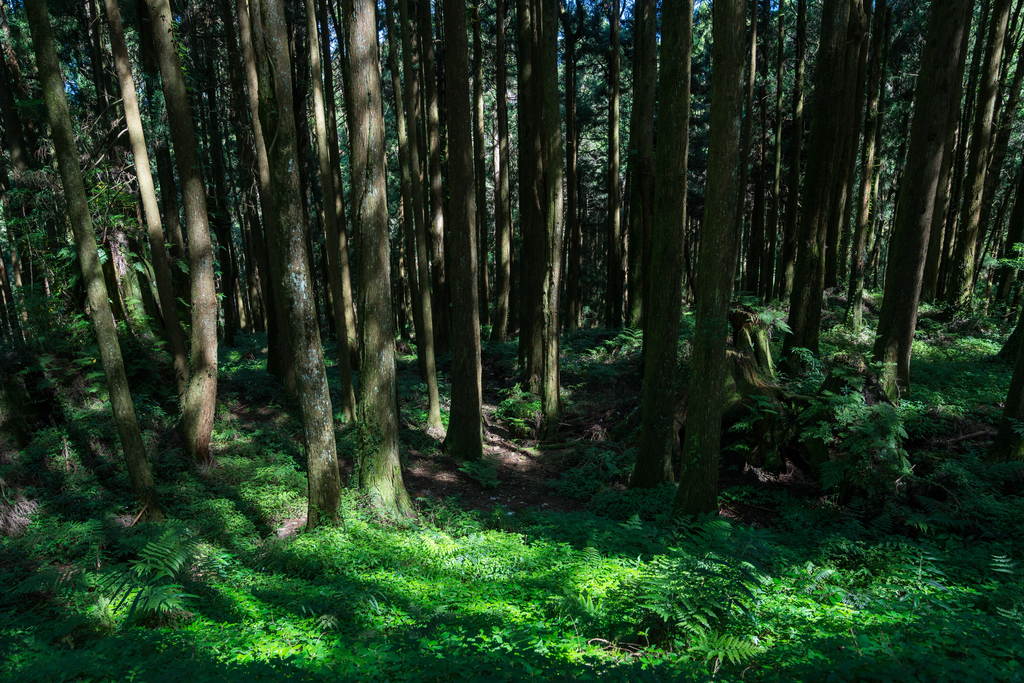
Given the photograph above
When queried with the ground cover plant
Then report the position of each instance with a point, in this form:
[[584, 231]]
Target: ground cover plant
[[539, 563]]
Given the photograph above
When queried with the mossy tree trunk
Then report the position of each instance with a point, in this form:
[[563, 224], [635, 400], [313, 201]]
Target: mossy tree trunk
[[378, 466], [277, 115], [123, 409]]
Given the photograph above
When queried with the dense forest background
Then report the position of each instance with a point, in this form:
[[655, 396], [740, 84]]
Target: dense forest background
[[545, 339]]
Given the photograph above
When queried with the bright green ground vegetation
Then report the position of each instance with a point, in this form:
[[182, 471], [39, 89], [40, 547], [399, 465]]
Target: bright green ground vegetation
[[906, 568]]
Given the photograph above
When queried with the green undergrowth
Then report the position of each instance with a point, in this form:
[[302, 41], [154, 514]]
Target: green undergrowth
[[920, 581]]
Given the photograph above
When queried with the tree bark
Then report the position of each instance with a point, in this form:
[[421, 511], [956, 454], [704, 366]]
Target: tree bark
[[425, 346], [769, 277], [573, 310], [502, 201], [196, 424], [333, 246], [962, 272], [698, 489], [936, 93], [791, 229], [154, 229], [464, 440], [613, 303], [435, 224], [854, 308], [480, 169], [378, 467], [277, 118], [81, 223], [823, 155], [654, 464], [753, 259]]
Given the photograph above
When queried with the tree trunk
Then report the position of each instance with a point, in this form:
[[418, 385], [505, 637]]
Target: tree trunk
[[769, 278], [554, 206], [613, 303], [698, 489], [531, 195], [641, 159], [81, 223], [333, 246], [464, 440], [425, 346], [962, 292], [377, 464], [435, 224], [791, 229], [754, 239], [936, 93], [822, 157], [502, 201], [480, 169], [854, 312], [196, 424], [277, 114], [661, 338], [154, 229], [573, 303]]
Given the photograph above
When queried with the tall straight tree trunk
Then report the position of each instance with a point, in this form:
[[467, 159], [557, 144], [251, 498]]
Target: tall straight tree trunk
[[641, 159], [823, 155], [863, 28], [59, 117], [424, 346], [339, 191], [554, 208], [480, 168], [698, 488], [573, 302], [154, 229], [198, 407], [854, 309], [758, 235], [464, 440], [770, 257], [435, 223], [748, 125], [936, 93], [277, 114], [255, 249], [378, 466], [279, 358], [502, 199], [333, 247], [531, 195], [613, 296], [405, 179], [846, 132], [962, 271], [654, 463], [791, 228], [221, 217]]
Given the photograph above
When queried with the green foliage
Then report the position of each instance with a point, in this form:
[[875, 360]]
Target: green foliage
[[482, 471], [520, 410], [711, 575], [592, 471]]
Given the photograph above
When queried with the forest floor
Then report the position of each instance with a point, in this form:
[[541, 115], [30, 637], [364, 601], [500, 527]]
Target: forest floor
[[537, 563]]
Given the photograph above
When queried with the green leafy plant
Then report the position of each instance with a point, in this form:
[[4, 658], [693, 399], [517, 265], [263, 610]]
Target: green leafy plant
[[482, 471]]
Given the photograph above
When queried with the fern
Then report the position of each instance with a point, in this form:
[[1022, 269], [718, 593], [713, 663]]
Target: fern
[[712, 575], [719, 648], [152, 581]]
